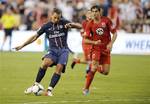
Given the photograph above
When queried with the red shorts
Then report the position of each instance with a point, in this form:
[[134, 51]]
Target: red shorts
[[102, 56], [86, 51]]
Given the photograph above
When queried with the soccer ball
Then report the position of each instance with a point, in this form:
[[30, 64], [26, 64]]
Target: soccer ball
[[37, 89]]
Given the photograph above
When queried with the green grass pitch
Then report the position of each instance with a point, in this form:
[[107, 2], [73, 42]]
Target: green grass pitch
[[127, 83]]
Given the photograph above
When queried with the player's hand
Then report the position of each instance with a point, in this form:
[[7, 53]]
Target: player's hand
[[97, 42], [18, 48], [68, 25], [109, 46]]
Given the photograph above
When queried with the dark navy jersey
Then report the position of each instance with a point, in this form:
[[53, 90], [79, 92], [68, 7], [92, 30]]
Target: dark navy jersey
[[56, 33]]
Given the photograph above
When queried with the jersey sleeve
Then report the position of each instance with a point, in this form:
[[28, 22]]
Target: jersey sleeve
[[88, 30], [111, 27], [84, 25], [66, 21], [83, 29], [41, 30]]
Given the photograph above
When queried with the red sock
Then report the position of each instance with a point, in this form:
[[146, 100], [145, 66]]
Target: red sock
[[89, 79]]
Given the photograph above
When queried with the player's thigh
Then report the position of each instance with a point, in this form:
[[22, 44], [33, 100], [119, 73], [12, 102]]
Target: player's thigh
[[105, 59], [105, 62], [95, 56], [86, 52], [63, 57], [95, 64]]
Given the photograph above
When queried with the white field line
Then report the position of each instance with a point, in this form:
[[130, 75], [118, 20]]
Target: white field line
[[87, 101], [36, 103]]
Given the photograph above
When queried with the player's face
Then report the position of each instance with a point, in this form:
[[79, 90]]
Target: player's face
[[55, 17], [89, 15], [96, 13]]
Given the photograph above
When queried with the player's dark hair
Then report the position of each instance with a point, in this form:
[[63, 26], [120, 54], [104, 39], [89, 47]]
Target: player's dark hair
[[96, 7], [56, 10]]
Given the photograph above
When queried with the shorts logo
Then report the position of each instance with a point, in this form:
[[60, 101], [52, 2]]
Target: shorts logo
[[100, 31]]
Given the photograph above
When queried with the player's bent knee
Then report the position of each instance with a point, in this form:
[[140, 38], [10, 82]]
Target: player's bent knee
[[59, 69], [105, 73], [45, 65]]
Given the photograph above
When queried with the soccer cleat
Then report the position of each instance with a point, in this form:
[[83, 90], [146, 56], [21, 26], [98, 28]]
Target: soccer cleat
[[28, 90], [48, 93], [85, 91], [73, 64]]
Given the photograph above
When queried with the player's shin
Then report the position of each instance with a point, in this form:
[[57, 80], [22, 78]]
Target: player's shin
[[40, 75], [89, 78], [54, 80]]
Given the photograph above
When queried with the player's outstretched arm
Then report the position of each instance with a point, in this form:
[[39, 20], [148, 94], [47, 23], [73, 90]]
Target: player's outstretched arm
[[28, 41], [73, 25]]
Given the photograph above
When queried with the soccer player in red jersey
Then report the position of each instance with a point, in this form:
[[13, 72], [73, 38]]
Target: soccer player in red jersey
[[98, 34], [86, 47]]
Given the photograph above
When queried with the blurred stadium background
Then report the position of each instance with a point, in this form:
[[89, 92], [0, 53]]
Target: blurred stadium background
[[128, 82]]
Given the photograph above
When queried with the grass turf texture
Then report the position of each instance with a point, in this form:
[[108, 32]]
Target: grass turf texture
[[127, 83]]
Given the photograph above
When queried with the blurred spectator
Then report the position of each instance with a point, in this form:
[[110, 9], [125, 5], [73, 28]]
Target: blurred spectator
[[131, 15], [105, 5], [114, 15], [20, 10], [67, 10], [8, 22], [2, 7], [30, 19], [146, 9], [125, 8], [136, 24], [43, 19]]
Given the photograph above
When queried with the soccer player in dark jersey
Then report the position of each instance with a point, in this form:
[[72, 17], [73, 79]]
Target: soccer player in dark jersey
[[98, 34], [56, 31]]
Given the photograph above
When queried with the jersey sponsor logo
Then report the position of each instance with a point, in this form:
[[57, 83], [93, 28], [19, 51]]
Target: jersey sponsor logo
[[100, 31], [56, 35]]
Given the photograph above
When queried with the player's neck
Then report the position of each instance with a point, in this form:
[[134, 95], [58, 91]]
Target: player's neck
[[96, 20]]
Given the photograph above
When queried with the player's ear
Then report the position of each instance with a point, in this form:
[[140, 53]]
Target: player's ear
[[101, 11]]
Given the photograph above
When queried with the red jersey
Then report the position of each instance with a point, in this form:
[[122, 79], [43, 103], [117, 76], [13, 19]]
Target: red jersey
[[86, 47], [84, 25], [100, 31]]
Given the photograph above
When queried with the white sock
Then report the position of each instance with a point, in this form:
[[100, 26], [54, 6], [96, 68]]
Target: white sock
[[36, 83], [50, 88]]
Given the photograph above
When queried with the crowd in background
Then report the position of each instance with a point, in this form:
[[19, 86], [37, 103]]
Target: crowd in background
[[131, 15]]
